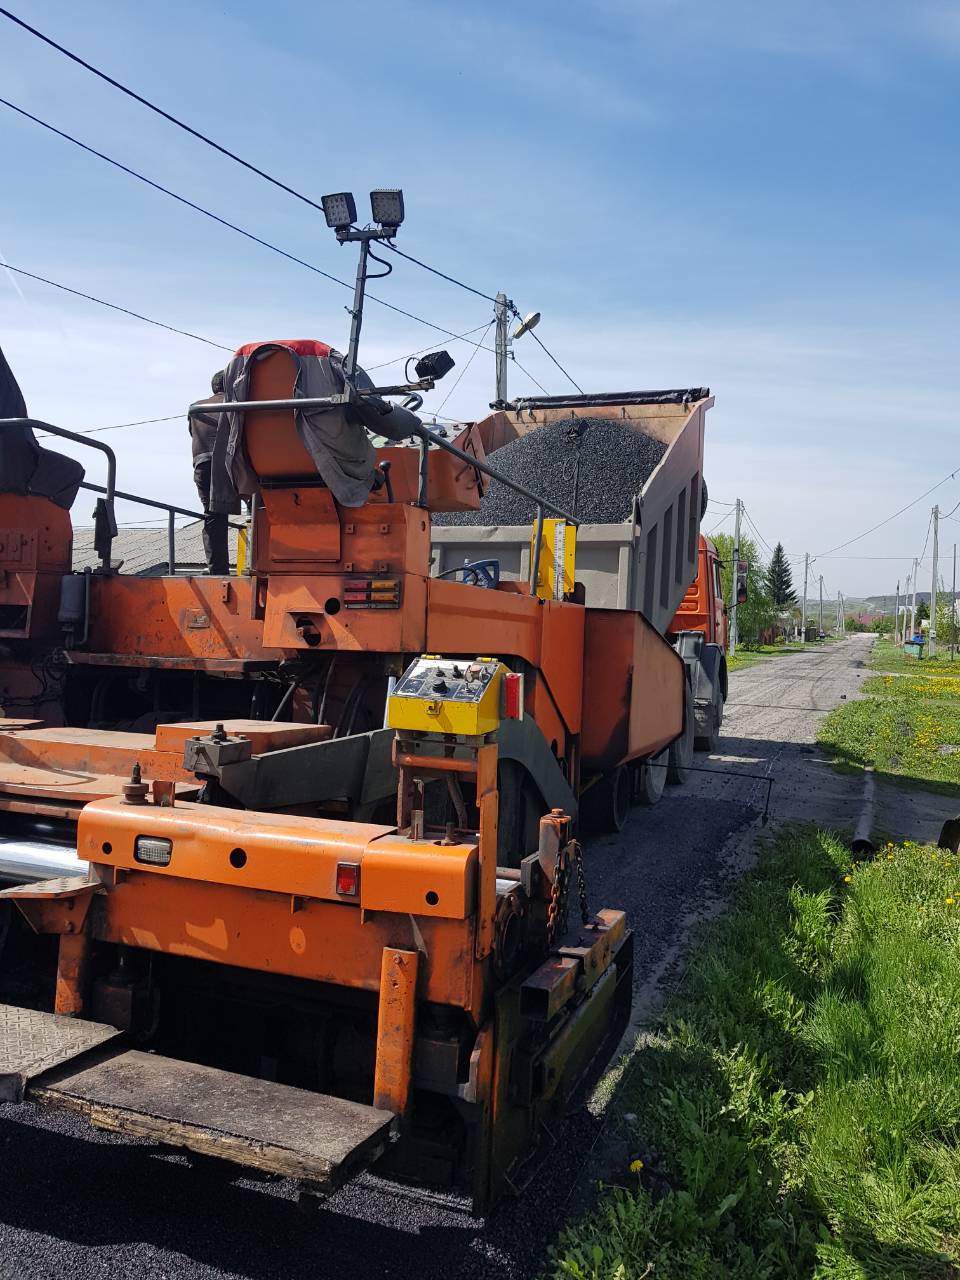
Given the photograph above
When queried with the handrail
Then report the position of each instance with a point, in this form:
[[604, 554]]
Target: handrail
[[172, 511], [36, 425]]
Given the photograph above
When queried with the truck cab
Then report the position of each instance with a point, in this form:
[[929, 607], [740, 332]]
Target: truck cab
[[702, 607], [699, 632]]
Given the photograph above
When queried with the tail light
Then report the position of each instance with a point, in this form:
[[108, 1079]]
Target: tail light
[[513, 696], [348, 879]]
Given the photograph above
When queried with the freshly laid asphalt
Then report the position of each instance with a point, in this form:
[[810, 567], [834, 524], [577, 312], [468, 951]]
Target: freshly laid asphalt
[[79, 1203]]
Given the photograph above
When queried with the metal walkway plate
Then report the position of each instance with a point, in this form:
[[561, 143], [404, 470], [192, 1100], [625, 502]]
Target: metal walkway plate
[[32, 1042], [273, 1127]]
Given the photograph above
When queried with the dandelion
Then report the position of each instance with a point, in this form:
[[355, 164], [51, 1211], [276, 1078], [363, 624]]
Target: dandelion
[[636, 1166], [847, 879], [950, 901]]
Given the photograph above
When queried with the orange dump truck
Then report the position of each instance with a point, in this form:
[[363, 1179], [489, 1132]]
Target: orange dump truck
[[323, 812]]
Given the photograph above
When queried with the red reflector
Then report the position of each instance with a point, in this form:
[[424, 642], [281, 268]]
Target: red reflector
[[513, 696], [348, 878]]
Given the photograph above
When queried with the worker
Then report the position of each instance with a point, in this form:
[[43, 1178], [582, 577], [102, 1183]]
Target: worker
[[337, 439], [203, 434]]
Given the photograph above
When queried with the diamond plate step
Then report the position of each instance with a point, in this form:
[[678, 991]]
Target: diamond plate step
[[33, 1042]]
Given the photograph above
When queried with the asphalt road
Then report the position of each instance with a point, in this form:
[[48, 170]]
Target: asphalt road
[[85, 1204]]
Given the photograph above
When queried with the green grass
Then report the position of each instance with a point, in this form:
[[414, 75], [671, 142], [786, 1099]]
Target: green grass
[[797, 1114], [747, 655], [904, 726], [886, 656]]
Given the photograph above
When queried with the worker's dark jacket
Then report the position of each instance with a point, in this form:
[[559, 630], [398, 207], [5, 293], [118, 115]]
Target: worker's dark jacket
[[337, 439], [203, 431]]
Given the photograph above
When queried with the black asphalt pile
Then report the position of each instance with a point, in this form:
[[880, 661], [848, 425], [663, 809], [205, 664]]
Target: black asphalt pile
[[592, 467]]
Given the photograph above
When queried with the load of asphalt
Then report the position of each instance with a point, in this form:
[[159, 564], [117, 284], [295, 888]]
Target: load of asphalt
[[591, 467]]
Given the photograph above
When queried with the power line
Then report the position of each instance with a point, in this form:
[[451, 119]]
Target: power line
[[926, 540], [185, 333], [215, 217], [460, 337], [434, 270], [463, 370], [118, 426], [535, 337], [151, 106], [721, 521], [530, 376], [755, 529], [874, 528], [217, 146]]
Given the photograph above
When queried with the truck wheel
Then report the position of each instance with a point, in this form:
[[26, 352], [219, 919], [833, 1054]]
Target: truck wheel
[[606, 804], [680, 757], [651, 778], [708, 741]]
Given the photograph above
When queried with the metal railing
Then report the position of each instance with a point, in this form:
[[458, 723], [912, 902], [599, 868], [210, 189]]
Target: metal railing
[[111, 492], [426, 438], [170, 508]]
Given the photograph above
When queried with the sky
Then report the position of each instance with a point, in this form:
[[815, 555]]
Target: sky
[[757, 197]]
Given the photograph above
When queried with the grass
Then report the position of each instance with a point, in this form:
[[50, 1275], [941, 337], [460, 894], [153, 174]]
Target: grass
[[797, 1113], [906, 724], [747, 655], [887, 656]]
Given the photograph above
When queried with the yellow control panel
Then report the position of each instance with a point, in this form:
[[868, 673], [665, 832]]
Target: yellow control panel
[[448, 695]]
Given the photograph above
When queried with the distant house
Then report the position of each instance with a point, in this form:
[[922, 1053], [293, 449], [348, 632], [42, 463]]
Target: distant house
[[142, 550]]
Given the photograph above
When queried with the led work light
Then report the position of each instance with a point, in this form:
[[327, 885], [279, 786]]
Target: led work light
[[339, 209]]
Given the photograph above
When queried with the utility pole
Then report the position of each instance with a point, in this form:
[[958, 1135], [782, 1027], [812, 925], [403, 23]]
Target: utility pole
[[803, 608], [953, 608], [896, 616], [733, 580], [820, 625], [932, 647], [913, 603], [502, 312]]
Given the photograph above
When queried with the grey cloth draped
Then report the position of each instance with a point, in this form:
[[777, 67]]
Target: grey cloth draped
[[336, 439]]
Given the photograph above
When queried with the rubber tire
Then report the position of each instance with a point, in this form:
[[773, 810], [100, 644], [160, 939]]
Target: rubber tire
[[704, 497], [680, 751], [6, 916], [651, 778], [606, 805], [708, 742]]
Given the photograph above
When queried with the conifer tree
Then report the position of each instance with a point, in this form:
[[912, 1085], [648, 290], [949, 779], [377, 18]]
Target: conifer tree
[[780, 579]]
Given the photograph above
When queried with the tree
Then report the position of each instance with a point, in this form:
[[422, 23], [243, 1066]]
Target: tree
[[923, 612], [759, 611], [780, 579]]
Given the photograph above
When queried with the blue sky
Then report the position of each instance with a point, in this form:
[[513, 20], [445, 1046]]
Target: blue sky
[[759, 197]]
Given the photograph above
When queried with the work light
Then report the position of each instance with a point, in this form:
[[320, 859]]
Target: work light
[[387, 207], [339, 209]]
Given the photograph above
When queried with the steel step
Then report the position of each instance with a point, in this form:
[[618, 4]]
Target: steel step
[[276, 1128], [32, 1043]]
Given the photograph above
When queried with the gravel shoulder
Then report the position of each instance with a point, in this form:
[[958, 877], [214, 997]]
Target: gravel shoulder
[[77, 1202]]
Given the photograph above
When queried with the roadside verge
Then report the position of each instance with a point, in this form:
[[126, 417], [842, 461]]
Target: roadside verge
[[796, 1109]]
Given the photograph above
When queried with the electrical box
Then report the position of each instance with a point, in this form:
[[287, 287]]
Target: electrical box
[[558, 559], [448, 695]]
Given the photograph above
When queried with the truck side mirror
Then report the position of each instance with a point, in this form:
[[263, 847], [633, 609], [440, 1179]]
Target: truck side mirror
[[742, 581]]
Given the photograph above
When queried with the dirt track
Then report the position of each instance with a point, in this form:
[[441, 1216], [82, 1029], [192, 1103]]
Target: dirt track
[[74, 1202]]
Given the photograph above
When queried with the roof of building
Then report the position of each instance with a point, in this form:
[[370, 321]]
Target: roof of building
[[142, 549]]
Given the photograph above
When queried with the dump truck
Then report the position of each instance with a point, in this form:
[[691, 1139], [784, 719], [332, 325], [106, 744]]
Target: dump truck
[[651, 572], [318, 901]]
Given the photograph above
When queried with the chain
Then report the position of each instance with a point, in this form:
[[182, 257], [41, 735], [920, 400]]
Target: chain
[[581, 881], [557, 910]]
